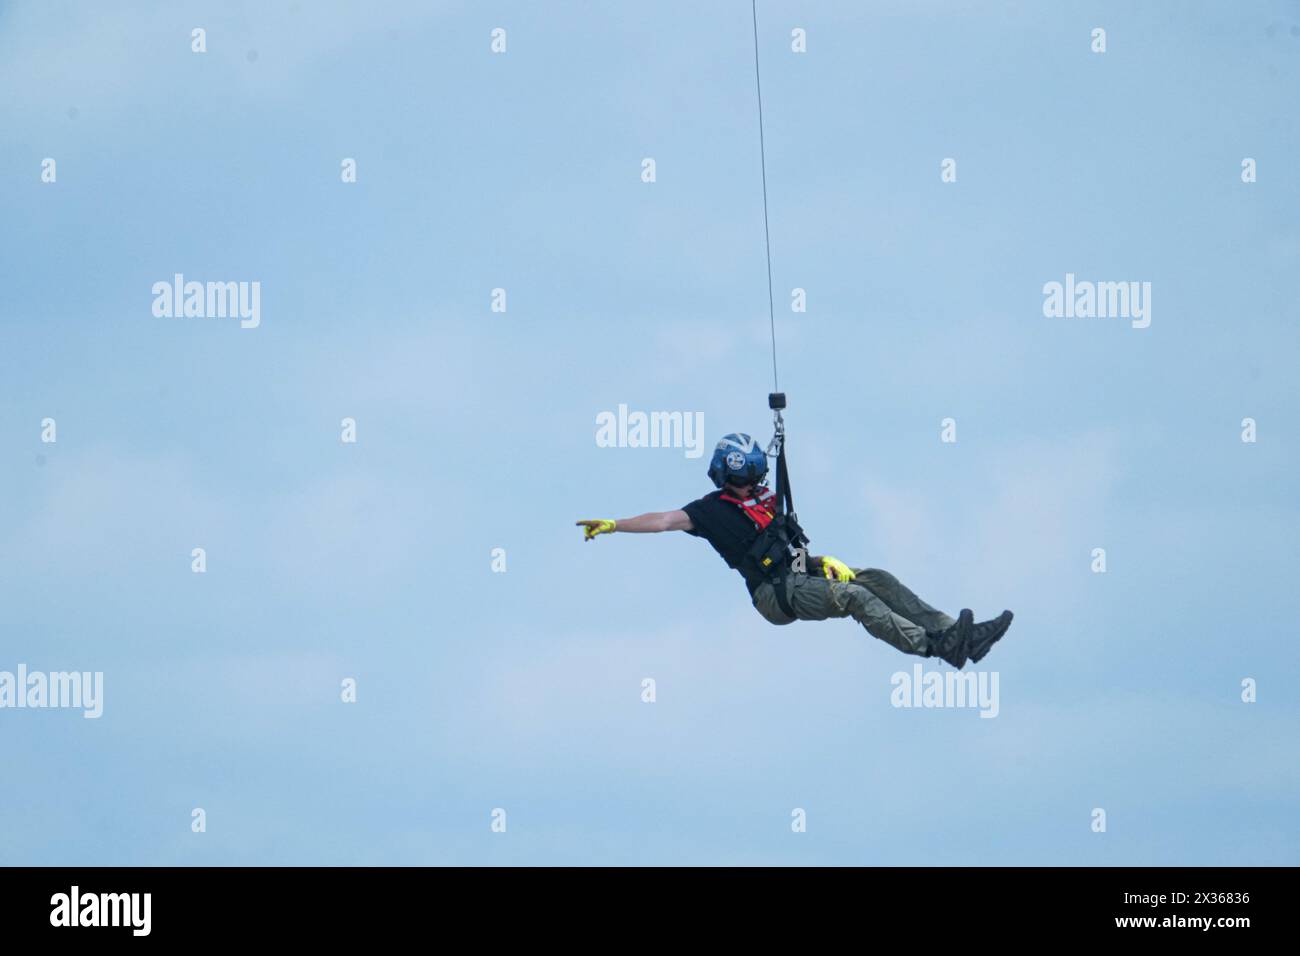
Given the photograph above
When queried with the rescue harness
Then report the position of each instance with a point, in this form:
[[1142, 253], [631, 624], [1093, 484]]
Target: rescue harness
[[780, 540]]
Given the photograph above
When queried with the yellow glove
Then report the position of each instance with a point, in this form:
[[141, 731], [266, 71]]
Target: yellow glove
[[598, 526], [837, 570]]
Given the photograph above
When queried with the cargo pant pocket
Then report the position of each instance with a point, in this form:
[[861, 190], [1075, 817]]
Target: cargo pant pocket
[[766, 604]]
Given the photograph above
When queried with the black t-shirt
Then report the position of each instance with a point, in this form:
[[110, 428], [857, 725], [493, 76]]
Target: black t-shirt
[[729, 530]]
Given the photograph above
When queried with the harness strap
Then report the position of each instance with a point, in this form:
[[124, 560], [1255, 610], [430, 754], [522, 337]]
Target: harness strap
[[786, 519], [772, 511], [759, 508], [777, 533]]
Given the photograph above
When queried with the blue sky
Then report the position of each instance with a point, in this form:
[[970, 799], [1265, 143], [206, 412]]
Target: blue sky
[[476, 429]]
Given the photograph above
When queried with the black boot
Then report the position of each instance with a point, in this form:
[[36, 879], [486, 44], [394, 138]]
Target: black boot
[[988, 633], [951, 645]]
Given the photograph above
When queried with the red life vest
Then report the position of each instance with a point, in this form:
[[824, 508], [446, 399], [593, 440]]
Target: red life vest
[[761, 508]]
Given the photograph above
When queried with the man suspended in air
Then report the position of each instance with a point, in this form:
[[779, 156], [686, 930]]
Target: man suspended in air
[[748, 525]]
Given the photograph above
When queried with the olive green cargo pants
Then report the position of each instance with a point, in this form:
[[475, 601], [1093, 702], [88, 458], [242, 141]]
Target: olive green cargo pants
[[875, 599]]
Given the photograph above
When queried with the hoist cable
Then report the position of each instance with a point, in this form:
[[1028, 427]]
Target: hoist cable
[[767, 234]]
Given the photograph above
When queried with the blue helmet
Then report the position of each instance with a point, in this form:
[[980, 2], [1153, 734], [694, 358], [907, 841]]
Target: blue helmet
[[737, 459]]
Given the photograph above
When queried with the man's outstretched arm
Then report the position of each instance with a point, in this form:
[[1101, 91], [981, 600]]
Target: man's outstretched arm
[[642, 524]]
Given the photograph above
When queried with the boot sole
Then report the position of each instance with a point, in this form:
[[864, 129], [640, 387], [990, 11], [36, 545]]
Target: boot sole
[[978, 654]]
